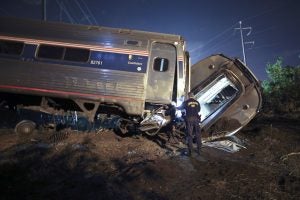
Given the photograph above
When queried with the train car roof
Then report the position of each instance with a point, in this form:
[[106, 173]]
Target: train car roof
[[38, 29]]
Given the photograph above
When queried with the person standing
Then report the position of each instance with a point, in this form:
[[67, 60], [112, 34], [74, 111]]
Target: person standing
[[192, 118], [171, 111]]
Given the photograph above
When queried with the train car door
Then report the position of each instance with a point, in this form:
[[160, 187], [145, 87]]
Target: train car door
[[161, 73]]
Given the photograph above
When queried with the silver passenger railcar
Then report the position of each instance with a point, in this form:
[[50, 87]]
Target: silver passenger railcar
[[55, 67]]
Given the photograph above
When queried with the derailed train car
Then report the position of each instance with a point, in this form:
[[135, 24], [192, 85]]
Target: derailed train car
[[85, 71]]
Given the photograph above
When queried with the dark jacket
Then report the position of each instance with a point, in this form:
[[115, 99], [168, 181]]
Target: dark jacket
[[192, 108]]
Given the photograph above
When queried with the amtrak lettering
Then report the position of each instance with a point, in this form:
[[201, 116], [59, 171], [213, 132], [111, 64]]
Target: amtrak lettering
[[135, 63]]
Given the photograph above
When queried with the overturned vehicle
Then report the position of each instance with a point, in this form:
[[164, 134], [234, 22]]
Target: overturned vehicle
[[79, 76]]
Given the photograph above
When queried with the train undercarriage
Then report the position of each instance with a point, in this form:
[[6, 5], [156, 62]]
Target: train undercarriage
[[26, 113]]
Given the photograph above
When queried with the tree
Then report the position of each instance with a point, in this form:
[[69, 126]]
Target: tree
[[281, 91]]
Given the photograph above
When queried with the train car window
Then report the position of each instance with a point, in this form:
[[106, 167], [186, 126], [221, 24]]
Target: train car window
[[76, 54], [217, 94], [161, 64], [11, 47], [52, 52]]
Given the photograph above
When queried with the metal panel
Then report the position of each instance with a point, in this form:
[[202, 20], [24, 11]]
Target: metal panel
[[160, 83], [119, 87], [81, 34], [230, 80]]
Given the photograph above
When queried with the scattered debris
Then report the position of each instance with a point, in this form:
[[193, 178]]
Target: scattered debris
[[225, 145], [285, 157]]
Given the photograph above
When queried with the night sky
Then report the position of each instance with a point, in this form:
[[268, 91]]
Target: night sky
[[207, 26]]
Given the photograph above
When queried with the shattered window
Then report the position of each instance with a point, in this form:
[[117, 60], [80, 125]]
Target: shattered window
[[161, 64], [216, 95], [11, 47]]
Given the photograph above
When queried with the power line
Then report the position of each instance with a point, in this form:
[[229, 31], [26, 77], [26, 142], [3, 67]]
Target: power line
[[90, 13], [83, 12], [45, 10], [262, 13], [213, 48], [267, 45], [62, 7], [72, 9], [265, 30], [213, 38]]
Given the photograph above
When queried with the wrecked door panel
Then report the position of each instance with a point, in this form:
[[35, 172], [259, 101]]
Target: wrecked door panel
[[228, 92]]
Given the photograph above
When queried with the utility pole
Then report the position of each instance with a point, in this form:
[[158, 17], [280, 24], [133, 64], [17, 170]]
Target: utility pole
[[44, 10], [242, 39]]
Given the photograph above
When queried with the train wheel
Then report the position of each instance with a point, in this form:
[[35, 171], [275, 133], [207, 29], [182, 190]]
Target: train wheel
[[25, 127], [83, 124]]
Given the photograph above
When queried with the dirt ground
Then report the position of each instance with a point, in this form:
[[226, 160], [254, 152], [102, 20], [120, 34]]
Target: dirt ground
[[103, 165]]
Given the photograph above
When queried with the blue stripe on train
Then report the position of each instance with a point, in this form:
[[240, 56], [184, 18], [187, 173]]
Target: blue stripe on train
[[98, 59], [116, 61]]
